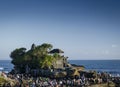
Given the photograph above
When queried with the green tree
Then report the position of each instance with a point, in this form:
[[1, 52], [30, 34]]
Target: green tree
[[36, 57], [46, 61], [18, 58], [41, 55]]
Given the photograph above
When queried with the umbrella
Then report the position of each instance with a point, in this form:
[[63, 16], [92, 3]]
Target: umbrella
[[56, 51]]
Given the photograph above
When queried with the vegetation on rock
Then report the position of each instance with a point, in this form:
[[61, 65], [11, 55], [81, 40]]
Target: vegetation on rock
[[35, 58]]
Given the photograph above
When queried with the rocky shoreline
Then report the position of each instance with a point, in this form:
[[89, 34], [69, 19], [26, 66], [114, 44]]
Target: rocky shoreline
[[27, 80]]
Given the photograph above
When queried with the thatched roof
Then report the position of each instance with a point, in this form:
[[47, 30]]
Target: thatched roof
[[77, 65], [56, 51]]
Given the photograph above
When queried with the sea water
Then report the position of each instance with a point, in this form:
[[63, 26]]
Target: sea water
[[6, 66], [110, 66]]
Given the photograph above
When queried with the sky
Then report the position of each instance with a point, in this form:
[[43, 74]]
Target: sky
[[83, 29]]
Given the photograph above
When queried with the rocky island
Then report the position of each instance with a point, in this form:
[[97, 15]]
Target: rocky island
[[42, 66]]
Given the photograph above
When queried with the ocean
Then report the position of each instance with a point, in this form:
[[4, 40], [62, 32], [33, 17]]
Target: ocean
[[110, 66], [6, 66]]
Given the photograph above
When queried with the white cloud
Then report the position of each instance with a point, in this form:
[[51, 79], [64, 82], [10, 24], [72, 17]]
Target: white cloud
[[114, 45], [106, 52]]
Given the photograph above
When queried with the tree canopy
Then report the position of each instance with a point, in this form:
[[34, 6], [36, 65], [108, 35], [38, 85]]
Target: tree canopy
[[36, 57]]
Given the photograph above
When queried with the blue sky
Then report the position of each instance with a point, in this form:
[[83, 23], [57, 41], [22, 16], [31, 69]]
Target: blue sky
[[84, 29]]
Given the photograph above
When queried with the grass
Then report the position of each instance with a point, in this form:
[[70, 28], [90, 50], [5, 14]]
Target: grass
[[2, 81]]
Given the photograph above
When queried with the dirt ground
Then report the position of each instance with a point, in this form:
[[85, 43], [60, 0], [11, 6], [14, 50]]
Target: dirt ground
[[103, 85]]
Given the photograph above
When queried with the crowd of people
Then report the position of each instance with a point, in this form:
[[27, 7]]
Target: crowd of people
[[30, 81]]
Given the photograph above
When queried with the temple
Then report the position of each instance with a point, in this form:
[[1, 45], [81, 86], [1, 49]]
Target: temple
[[60, 61]]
